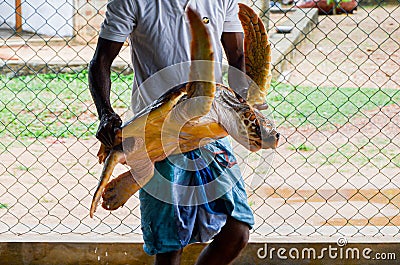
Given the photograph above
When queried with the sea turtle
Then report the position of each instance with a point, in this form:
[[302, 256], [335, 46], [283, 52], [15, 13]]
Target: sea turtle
[[192, 115]]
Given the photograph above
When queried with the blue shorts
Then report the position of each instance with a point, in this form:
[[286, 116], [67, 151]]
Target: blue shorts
[[190, 196]]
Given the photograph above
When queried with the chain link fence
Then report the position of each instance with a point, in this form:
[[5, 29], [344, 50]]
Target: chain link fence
[[335, 99]]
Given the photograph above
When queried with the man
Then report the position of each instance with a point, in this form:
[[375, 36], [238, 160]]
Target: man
[[159, 36]]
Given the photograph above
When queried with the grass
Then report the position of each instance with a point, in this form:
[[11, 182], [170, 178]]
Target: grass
[[53, 105], [3, 206], [302, 147], [351, 154], [60, 105], [23, 168], [45, 200], [326, 107]]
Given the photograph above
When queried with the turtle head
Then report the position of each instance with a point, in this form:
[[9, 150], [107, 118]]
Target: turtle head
[[246, 124], [258, 131], [262, 134]]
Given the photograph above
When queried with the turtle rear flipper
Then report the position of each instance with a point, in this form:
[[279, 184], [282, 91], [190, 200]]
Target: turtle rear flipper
[[257, 55], [201, 88], [119, 190]]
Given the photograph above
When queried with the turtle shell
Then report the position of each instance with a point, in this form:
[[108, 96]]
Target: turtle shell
[[170, 95]]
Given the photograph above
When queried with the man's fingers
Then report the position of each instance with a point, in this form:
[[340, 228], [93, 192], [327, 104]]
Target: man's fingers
[[104, 139], [109, 140], [117, 122], [117, 131], [106, 134]]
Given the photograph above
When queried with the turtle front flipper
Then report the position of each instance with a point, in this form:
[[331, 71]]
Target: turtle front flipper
[[201, 88], [257, 55], [115, 157]]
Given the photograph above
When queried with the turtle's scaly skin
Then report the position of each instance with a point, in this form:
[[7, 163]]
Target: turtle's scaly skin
[[190, 116]]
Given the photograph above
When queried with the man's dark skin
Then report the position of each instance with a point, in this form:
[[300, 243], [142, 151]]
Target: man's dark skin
[[234, 235]]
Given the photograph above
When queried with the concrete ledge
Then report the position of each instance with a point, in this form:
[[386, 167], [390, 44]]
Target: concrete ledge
[[118, 250], [60, 253], [35, 41], [135, 238], [32, 68], [303, 21]]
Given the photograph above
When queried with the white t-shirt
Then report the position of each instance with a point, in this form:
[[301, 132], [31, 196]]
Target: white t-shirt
[[159, 35]]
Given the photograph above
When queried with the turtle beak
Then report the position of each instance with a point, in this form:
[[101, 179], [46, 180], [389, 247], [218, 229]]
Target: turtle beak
[[270, 140]]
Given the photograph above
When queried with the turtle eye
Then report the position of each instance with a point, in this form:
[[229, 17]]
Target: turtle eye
[[258, 130]]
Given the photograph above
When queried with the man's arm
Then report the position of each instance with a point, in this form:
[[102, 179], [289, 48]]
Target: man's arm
[[233, 46], [100, 85]]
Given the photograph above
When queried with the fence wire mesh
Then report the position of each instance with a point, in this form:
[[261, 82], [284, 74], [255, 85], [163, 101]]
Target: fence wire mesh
[[335, 99]]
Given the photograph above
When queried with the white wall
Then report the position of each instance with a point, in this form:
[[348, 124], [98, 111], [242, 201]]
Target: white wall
[[7, 13], [49, 17]]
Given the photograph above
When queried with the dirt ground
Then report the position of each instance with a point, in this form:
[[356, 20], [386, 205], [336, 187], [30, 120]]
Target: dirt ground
[[346, 182], [359, 50]]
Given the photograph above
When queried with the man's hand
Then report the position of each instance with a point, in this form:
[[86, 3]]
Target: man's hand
[[110, 123]]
